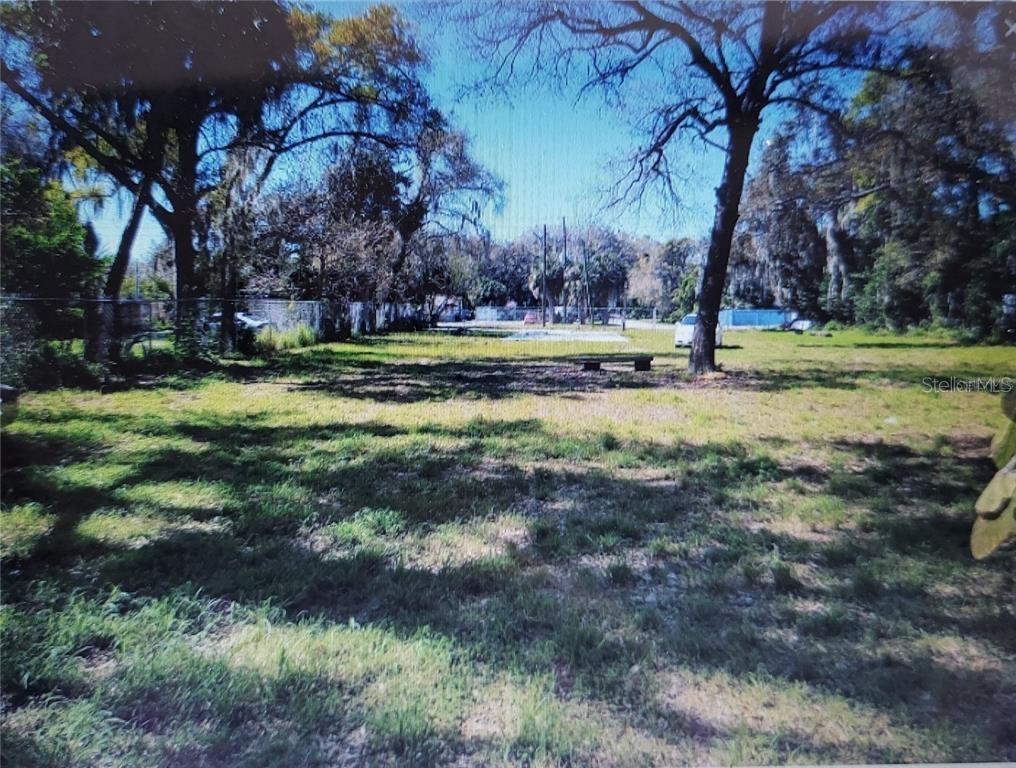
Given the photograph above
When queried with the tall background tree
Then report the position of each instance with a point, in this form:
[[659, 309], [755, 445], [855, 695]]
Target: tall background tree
[[658, 274], [778, 256], [716, 68], [376, 225], [47, 253], [899, 211]]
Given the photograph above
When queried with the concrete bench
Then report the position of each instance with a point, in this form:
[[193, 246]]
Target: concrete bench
[[593, 363]]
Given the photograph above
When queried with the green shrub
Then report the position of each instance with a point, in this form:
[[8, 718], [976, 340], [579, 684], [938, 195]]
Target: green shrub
[[54, 364], [269, 340]]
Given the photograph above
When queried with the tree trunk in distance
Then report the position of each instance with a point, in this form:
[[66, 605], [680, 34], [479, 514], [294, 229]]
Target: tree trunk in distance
[[101, 344], [227, 324]]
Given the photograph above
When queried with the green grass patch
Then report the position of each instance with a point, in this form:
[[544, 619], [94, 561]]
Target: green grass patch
[[434, 549]]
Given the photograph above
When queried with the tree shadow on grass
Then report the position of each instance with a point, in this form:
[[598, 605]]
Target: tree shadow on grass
[[518, 621], [847, 630], [499, 378], [488, 380], [764, 379]]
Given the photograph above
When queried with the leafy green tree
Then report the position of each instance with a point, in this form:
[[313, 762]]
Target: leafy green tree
[[42, 239], [607, 257], [685, 295], [159, 94], [560, 282], [906, 202], [659, 271], [893, 293], [931, 230], [46, 254], [778, 256], [438, 275], [360, 232], [502, 270]]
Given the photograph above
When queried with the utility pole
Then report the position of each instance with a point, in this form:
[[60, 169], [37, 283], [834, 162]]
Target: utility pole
[[564, 230], [543, 290], [585, 278], [624, 305]]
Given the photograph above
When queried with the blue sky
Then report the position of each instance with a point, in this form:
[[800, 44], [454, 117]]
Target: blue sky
[[557, 157], [552, 153]]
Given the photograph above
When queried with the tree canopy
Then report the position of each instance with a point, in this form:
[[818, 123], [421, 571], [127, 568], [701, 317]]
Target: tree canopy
[[46, 251], [159, 95], [289, 152], [901, 214]]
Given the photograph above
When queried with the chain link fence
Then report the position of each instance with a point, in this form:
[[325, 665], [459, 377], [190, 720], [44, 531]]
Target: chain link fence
[[562, 314], [41, 338], [47, 342]]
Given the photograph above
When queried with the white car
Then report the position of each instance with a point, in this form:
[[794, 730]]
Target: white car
[[251, 323], [242, 320], [685, 330]]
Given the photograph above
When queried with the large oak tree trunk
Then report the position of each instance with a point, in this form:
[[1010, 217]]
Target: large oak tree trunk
[[728, 200], [184, 257], [182, 222]]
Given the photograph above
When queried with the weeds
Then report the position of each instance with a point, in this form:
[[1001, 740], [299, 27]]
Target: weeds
[[269, 341]]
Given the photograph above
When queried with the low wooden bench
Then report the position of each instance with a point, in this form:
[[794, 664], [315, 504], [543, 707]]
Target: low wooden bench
[[593, 363]]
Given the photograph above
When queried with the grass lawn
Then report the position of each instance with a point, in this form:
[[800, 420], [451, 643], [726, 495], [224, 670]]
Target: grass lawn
[[428, 549]]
